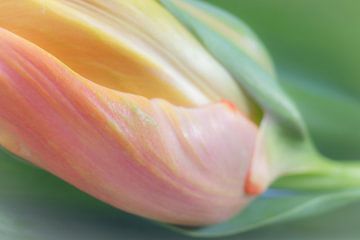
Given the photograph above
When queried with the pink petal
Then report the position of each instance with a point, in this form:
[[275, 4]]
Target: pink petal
[[179, 165]]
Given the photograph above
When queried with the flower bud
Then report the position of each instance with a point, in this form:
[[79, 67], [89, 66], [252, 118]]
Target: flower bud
[[174, 164]]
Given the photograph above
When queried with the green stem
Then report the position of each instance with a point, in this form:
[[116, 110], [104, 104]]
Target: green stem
[[323, 174]]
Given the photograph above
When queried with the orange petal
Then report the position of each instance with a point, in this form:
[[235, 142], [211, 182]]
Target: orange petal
[[179, 165], [133, 46]]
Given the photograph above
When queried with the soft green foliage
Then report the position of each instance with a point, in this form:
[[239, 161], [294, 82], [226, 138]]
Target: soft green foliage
[[315, 47], [278, 206], [252, 76]]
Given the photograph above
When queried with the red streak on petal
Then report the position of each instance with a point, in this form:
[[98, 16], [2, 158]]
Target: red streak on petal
[[253, 188], [230, 105]]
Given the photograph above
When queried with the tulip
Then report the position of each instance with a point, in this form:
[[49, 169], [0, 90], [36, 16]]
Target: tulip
[[120, 100]]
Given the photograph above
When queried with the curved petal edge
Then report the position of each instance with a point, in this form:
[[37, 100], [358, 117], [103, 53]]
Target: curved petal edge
[[185, 166]]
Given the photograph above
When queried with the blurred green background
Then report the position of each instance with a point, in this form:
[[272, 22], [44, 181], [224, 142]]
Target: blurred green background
[[315, 45], [316, 49]]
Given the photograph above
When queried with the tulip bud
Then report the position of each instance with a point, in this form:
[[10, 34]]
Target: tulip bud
[[152, 108], [179, 165]]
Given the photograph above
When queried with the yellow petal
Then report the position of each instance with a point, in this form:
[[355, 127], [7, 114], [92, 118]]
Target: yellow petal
[[134, 46]]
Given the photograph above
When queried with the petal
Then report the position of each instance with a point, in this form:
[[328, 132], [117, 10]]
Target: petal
[[179, 165], [234, 45], [133, 46]]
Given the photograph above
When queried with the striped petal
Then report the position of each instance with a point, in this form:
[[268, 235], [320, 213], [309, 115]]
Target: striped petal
[[133, 46], [179, 165]]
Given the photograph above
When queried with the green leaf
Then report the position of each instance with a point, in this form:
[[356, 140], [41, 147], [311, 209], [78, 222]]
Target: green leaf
[[276, 206], [315, 46], [333, 116], [228, 40], [340, 224]]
